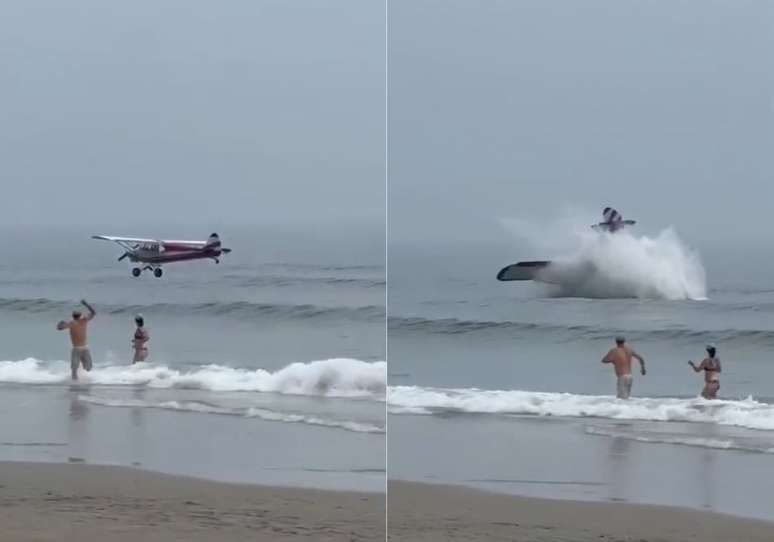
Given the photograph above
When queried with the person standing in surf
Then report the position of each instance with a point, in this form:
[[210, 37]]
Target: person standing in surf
[[621, 358], [140, 340], [711, 367], [78, 327]]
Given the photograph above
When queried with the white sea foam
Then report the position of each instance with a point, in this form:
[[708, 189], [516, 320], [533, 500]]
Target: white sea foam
[[747, 413], [682, 440], [340, 377], [251, 412]]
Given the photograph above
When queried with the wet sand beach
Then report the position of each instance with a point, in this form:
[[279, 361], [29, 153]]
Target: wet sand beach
[[69, 502], [429, 513]]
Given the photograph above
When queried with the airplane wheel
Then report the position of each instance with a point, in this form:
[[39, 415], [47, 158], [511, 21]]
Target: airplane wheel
[[158, 272], [136, 271]]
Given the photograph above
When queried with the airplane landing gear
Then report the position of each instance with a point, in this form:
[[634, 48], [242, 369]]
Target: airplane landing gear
[[157, 272]]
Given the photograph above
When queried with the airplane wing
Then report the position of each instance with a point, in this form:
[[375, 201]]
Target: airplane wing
[[170, 245], [522, 270], [123, 239], [116, 239], [604, 226]]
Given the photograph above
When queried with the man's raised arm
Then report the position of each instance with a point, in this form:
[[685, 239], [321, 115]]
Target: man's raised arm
[[92, 312]]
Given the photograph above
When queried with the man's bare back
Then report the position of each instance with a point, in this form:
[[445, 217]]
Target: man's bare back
[[621, 358], [78, 327], [78, 331]]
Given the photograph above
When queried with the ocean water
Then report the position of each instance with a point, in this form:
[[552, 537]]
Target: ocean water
[[269, 367], [503, 381]]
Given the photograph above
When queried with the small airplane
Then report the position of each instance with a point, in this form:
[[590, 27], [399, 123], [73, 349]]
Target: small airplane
[[153, 253], [613, 221]]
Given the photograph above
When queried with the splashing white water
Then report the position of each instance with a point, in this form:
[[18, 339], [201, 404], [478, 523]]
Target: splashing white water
[[746, 413], [603, 265], [340, 377]]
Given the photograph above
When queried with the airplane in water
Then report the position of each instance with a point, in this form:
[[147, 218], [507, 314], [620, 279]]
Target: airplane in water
[[153, 253], [541, 270]]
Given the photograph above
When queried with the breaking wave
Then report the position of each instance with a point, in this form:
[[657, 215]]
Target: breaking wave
[[747, 413], [339, 377]]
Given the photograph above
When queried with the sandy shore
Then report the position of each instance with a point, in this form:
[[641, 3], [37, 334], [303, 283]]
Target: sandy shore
[[423, 512], [69, 502]]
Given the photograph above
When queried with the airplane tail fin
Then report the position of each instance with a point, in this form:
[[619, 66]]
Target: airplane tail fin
[[213, 241]]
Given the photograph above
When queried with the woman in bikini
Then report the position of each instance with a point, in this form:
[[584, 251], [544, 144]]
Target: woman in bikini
[[140, 340], [711, 367]]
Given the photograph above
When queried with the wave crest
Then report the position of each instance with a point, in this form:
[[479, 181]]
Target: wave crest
[[747, 413], [338, 377]]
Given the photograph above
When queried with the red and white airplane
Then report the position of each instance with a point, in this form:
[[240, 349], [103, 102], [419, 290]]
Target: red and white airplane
[[153, 253]]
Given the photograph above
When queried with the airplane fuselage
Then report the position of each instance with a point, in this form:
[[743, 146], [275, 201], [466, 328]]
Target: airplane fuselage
[[158, 257]]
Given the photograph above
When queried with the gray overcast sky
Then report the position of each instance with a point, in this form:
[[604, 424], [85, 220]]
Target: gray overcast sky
[[247, 111], [507, 108]]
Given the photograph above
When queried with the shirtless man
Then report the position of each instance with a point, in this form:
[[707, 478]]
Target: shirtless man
[[711, 367], [621, 358], [78, 326], [140, 340]]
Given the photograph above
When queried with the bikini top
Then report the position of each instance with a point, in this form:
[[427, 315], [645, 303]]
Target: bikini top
[[140, 334], [713, 365]]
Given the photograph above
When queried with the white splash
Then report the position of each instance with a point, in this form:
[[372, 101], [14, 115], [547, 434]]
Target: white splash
[[604, 265], [340, 377], [418, 400]]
